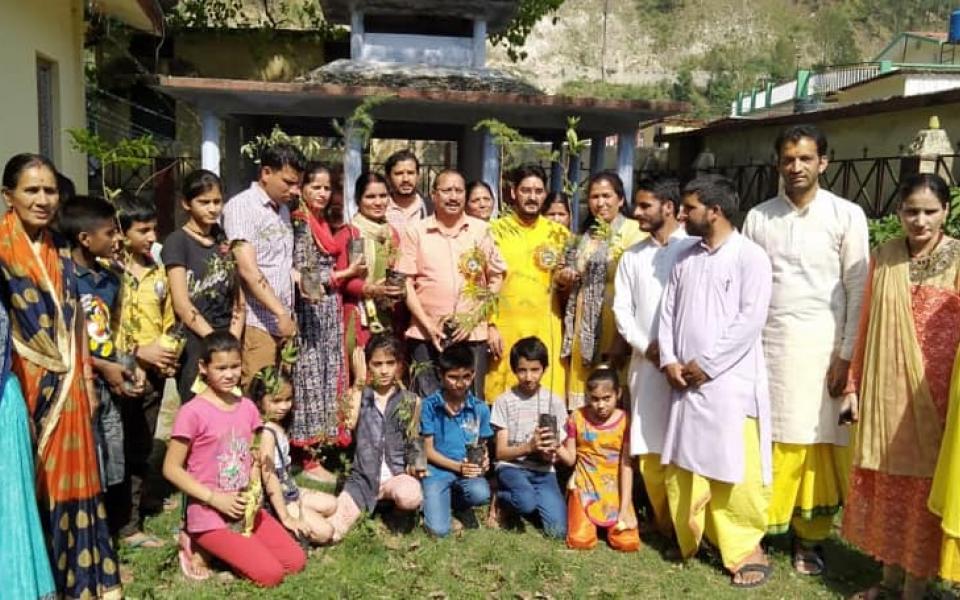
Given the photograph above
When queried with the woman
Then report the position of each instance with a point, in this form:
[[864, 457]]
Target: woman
[[51, 364], [24, 566], [590, 334], [203, 274], [908, 337], [479, 200], [372, 302], [557, 208], [319, 374]]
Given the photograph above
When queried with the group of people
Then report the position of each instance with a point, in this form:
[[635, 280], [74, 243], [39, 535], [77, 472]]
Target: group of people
[[473, 358]]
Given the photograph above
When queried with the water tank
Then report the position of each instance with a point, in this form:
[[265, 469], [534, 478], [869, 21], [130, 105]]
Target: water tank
[[953, 36]]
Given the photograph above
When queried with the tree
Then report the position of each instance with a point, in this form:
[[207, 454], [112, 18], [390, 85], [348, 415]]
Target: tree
[[529, 13]]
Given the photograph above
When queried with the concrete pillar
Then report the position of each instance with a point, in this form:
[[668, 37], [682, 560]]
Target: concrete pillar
[[210, 147], [356, 34], [626, 155], [573, 174], [232, 176], [490, 173], [352, 167], [597, 150], [479, 44], [556, 168]]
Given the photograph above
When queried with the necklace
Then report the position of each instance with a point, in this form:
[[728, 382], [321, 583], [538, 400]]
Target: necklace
[[206, 237]]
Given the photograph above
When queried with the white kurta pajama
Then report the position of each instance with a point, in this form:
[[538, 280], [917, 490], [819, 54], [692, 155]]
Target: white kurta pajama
[[642, 275], [820, 259]]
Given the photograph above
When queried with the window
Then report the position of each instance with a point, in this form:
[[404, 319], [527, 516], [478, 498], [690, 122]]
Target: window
[[46, 106]]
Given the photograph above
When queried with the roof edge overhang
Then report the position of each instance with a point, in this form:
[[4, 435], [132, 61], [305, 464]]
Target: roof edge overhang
[[231, 96], [145, 15]]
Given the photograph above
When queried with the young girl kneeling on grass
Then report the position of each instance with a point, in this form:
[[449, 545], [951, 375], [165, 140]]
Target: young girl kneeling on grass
[[303, 512], [602, 482], [388, 423], [210, 459]]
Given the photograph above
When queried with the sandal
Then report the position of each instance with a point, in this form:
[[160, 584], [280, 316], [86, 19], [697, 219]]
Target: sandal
[[141, 539], [764, 569], [876, 592], [190, 560], [808, 560]]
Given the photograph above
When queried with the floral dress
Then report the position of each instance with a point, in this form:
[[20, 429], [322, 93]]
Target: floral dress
[[596, 474], [319, 376]]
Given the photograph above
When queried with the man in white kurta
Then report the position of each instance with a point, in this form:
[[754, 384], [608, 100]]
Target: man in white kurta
[[641, 276], [818, 245]]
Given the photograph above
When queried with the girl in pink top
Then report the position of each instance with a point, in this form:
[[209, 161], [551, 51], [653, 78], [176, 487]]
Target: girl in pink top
[[209, 459]]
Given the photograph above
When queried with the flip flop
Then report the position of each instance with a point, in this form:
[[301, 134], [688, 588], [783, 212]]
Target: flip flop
[[142, 540], [185, 556], [765, 570], [809, 557]]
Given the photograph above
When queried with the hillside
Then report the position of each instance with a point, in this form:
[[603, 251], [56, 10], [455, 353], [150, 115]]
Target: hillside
[[705, 51]]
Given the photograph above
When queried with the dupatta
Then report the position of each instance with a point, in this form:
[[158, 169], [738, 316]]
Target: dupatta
[[902, 426], [42, 314]]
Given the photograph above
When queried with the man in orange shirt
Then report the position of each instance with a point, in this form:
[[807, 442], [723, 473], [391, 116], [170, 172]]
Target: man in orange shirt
[[454, 270]]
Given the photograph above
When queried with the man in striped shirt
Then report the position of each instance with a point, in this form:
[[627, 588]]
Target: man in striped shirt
[[260, 216]]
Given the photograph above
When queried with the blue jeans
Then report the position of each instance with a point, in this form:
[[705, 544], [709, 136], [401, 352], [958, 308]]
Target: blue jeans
[[444, 490], [534, 494]]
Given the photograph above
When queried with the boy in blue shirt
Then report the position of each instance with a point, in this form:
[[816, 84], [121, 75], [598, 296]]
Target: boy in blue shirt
[[90, 223], [455, 426]]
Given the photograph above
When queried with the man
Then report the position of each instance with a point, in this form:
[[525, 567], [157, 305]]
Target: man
[[454, 271], [406, 206], [817, 243], [260, 215], [641, 277], [717, 443], [532, 247]]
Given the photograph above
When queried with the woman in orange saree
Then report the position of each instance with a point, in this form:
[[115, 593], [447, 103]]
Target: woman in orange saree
[[39, 287], [908, 338]]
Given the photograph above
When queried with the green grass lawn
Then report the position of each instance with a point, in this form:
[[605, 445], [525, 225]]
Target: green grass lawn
[[372, 562]]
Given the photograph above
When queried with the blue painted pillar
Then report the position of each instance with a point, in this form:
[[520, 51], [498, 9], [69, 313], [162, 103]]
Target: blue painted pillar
[[479, 44], [210, 147], [490, 171], [352, 167], [626, 156], [356, 34], [573, 174], [597, 148], [556, 168]]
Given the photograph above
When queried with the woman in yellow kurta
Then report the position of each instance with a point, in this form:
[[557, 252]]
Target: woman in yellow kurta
[[908, 338], [590, 332], [531, 245]]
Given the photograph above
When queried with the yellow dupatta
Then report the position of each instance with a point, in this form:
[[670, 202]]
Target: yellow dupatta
[[900, 425], [944, 498]]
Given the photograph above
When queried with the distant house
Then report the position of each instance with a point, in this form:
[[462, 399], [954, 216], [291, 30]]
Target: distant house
[[41, 58], [871, 112]]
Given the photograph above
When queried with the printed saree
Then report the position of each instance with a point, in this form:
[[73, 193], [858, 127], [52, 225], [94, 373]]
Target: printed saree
[[39, 285], [24, 565]]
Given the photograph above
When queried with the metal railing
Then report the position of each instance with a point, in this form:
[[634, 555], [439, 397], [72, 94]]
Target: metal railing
[[873, 183]]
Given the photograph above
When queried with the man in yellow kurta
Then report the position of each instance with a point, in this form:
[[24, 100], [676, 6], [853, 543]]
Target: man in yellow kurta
[[531, 245]]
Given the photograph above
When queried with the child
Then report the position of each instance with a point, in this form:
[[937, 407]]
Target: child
[[91, 225], [210, 460], [602, 482], [303, 512], [389, 419], [146, 313], [525, 448], [455, 426], [202, 271]]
